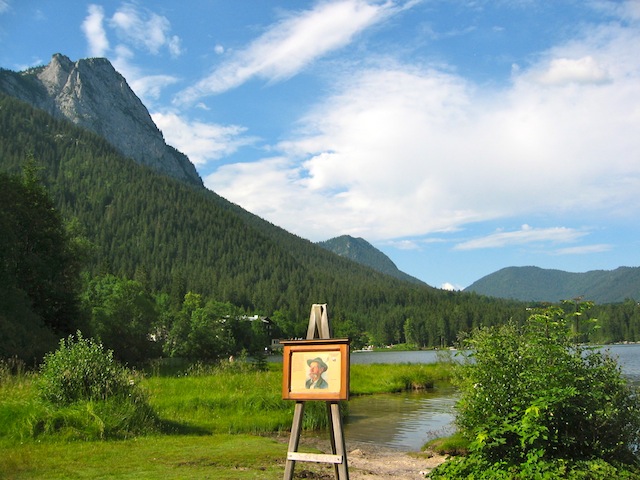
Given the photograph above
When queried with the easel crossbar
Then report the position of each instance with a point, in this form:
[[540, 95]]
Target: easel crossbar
[[315, 457]]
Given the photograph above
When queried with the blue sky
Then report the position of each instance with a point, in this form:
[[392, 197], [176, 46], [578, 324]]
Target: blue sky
[[458, 137]]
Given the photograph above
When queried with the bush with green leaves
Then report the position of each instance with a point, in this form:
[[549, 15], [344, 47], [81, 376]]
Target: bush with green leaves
[[81, 369], [532, 398], [87, 394]]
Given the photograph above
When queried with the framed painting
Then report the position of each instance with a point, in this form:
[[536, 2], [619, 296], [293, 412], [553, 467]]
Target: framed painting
[[315, 369]]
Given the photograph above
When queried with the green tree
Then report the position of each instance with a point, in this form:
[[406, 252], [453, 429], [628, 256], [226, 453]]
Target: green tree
[[202, 332], [349, 329], [121, 315], [39, 271], [410, 333], [45, 264]]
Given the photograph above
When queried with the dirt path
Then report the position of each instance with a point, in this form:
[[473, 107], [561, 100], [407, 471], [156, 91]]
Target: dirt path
[[369, 462]]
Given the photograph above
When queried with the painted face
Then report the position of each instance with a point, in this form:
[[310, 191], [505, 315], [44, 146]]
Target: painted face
[[315, 371]]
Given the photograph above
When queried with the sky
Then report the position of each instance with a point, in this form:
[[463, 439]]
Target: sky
[[458, 137]]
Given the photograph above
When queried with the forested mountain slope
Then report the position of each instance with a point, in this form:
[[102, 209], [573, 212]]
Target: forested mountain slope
[[538, 284], [178, 238], [361, 251]]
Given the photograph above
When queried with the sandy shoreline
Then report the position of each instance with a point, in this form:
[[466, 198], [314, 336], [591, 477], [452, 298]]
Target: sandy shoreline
[[368, 461]]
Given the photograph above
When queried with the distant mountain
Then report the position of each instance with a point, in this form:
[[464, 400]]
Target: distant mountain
[[92, 94], [538, 284], [361, 251]]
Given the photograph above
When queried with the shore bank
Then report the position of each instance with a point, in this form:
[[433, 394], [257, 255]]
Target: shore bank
[[368, 462]]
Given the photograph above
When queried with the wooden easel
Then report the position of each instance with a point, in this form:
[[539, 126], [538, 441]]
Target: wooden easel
[[318, 328]]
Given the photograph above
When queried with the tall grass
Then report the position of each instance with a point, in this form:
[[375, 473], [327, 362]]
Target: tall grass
[[392, 378], [224, 400], [227, 399]]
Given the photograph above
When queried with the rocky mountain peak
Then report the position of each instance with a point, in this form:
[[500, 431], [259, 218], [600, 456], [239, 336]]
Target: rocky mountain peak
[[93, 95]]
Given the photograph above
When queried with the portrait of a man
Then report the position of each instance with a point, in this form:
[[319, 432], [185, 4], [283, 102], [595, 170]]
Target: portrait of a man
[[316, 368]]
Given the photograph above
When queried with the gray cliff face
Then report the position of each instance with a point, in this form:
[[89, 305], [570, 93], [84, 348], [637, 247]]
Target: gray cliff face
[[93, 95]]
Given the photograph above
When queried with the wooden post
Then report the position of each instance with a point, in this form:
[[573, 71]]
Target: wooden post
[[319, 328], [294, 439]]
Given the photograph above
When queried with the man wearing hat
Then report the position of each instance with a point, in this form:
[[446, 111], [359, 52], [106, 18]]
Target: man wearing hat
[[316, 368]]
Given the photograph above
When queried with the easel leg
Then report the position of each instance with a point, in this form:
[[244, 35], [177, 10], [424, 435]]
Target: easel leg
[[294, 439], [337, 441], [332, 437]]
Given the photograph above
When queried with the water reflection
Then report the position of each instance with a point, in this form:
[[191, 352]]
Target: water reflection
[[404, 421]]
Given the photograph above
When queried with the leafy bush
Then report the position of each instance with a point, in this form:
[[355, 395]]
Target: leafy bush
[[82, 369], [476, 467], [531, 398], [87, 394]]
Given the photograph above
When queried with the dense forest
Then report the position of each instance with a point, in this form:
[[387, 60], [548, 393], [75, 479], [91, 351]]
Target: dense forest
[[192, 260]]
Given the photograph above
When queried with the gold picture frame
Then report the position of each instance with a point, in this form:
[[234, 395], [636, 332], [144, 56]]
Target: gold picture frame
[[315, 369]]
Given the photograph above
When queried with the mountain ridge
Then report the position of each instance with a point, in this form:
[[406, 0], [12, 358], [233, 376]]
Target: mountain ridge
[[361, 251], [532, 283], [92, 94]]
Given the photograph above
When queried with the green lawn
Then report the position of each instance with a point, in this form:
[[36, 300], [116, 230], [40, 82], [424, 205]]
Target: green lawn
[[156, 457], [217, 424]]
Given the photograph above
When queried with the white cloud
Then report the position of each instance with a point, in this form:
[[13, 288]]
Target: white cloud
[[174, 44], [561, 71], [144, 30], [201, 142], [291, 45], [404, 244], [403, 150], [93, 29], [584, 249], [4, 5], [150, 86], [136, 30], [525, 235]]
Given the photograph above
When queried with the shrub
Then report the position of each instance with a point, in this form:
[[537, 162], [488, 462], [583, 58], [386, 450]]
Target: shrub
[[82, 369], [475, 467], [87, 394], [531, 398]]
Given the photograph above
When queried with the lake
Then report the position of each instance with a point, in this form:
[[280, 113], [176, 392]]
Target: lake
[[407, 421]]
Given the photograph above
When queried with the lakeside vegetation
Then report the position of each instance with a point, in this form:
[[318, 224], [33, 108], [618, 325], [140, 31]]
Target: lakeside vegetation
[[224, 421]]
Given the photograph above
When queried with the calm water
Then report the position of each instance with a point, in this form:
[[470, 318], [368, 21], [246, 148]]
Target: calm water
[[407, 421], [628, 357], [404, 421]]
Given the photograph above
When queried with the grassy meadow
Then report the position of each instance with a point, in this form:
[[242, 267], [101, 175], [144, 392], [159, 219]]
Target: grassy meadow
[[224, 422]]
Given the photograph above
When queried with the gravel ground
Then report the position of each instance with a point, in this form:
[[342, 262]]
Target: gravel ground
[[368, 462]]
